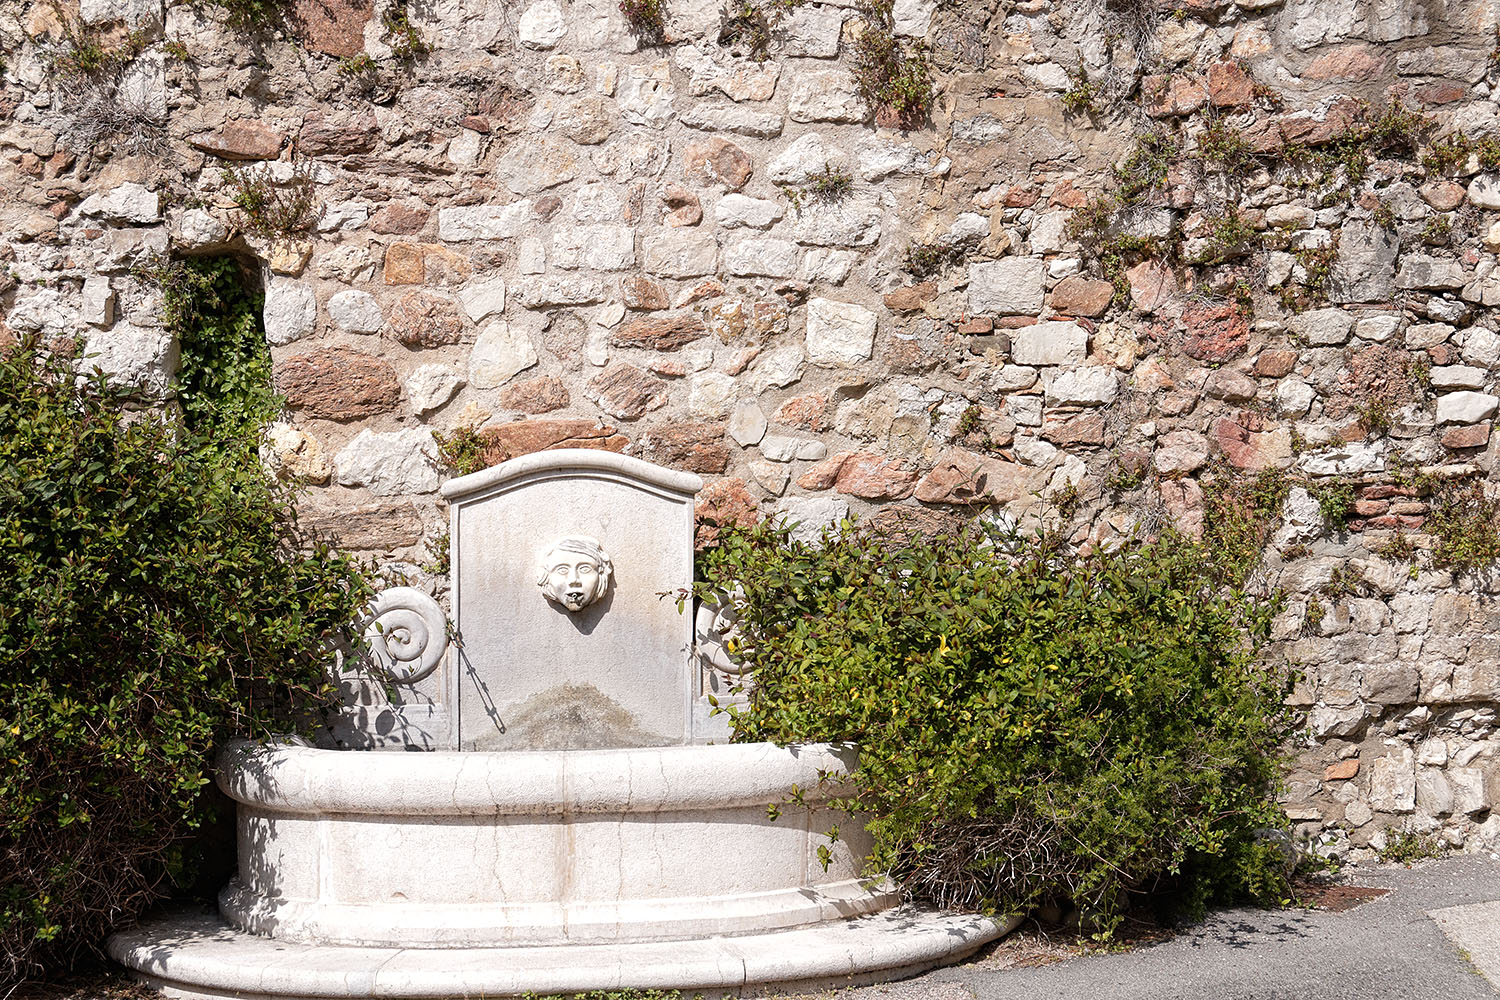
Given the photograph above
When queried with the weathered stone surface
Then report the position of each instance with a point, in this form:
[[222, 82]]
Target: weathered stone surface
[[588, 121], [294, 455], [501, 351], [559, 290], [747, 423], [324, 134], [1215, 333], [680, 254], [1229, 86], [241, 139], [1275, 363], [964, 477], [1323, 327], [364, 527], [290, 311], [665, 333], [717, 161], [128, 202], [874, 477], [483, 222], [529, 167], [600, 247], [523, 437], [627, 393], [425, 319], [647, 94], [642, 294], [1249, 443], [1051, 343], [804, 158], [738, 210], [391, 464], [696, 447], [483, 299], [401, 220], [1393, 786], [1180, 453], [769, 257], [1466, 407], [686, 208], [354, 311], [847, 222], [782, 448], [430, 386], [1152, 286], [1077, 296], [1012, 286], [542, 25], [140, 359], [1473, 436], [839, 332], [1365, 269], [825, 96], [538, 395], [1090, 386], [1421, 271], [338, 383], [332, 27], [728, 118]]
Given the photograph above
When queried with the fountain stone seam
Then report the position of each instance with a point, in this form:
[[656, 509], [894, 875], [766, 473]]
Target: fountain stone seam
[[568, 823]]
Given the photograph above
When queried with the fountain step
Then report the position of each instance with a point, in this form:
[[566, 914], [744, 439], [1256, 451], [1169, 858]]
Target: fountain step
[[196, 955]]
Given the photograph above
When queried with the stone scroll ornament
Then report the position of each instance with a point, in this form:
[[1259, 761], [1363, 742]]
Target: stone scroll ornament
[[407, 634], [716, 632], [574, 572]]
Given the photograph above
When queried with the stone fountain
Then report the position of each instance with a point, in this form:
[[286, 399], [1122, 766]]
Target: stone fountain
[[574, 817]]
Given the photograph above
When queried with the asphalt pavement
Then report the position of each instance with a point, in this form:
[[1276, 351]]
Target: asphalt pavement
[[1434, 936]]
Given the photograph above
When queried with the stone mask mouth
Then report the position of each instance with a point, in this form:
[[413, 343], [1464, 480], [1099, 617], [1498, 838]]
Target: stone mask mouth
[[573, 599]]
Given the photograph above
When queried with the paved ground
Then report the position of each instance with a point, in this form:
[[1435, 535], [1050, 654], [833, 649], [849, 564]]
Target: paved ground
[[1427, 939], [1434, 936]]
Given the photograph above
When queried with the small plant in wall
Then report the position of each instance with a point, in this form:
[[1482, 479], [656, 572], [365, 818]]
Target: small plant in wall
[[406, 42], [647, 19], [1083, 97], [832, 184], [894, 77], [749, 27], [271, 210]]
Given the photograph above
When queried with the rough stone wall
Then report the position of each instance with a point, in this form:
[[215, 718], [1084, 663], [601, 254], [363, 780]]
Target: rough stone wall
[[548, 231]]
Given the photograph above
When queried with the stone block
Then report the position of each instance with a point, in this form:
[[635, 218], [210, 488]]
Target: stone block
[[392, 464], [839, 332], [1393, 782], [1051, 343], [825, 96], [290, 311], [1011, 286], [501, 352], [1466, 407], [337, 383]]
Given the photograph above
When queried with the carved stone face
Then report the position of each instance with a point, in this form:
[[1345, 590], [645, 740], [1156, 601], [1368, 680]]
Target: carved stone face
[[575, 572]]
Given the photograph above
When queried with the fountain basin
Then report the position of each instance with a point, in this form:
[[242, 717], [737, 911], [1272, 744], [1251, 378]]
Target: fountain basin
[[464, 849]]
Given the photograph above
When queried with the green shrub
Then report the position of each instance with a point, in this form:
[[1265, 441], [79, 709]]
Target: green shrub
[[224, 383], [1031, 726], [159, 599]]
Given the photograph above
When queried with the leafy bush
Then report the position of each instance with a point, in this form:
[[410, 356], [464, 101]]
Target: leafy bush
[[1031, 726], [224, 384], [158, 600]]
